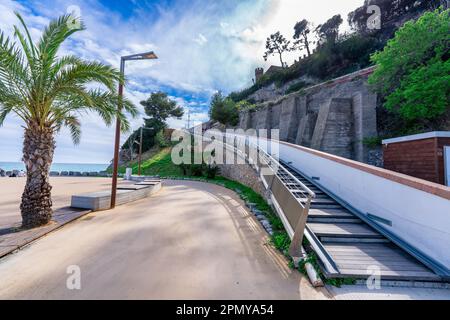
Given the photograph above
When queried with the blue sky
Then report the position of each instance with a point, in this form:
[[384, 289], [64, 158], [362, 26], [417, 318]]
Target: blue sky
[[204, 46]]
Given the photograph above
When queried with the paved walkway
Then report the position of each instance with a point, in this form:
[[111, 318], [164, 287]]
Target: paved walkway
[[190, 241]]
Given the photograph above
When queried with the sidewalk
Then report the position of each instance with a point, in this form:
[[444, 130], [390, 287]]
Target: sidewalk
[[12, 238], [359, 292]]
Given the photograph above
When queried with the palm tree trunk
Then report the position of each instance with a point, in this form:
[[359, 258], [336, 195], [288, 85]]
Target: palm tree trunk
[[38, 150]]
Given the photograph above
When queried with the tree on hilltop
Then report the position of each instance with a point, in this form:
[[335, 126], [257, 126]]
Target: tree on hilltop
[[302, 32], [329, 31], [277, 44]]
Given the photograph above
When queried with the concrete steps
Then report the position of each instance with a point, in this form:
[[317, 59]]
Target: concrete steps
[[353, 246]]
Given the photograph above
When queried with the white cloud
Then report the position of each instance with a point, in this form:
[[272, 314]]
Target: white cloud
[[203, 46], [201, 39]]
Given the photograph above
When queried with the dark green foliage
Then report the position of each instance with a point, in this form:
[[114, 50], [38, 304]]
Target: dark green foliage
[[413, 72], [329, 31], [224, 110], [211, 171], [194, 170], [390, 11], [373, 142], [161, 140], [302, 33], [158, 108], [296, 87], [148, 140], [281, 241]]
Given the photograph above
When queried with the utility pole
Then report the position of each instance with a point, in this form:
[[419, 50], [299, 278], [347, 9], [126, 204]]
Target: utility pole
[[140, 150], [189, 120]]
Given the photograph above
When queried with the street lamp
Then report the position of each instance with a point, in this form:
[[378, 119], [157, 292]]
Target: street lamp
[[142, 56]]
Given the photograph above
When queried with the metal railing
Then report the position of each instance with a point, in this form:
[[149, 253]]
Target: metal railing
[[292, 198]]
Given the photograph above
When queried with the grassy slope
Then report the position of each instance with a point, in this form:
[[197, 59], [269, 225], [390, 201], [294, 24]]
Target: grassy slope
[[159, 164]]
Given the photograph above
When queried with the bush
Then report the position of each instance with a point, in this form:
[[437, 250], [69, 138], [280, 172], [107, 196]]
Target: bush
[[373, 142], [224, 110], [413, 71], [161, 140], [296, 87], [245, 105], [281, 241], [424, 94], [211, 171]]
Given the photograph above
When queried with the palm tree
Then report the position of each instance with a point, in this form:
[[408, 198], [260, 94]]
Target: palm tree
[[49, 92]]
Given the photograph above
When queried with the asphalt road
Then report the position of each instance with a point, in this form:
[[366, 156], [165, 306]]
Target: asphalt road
[[190, 241]]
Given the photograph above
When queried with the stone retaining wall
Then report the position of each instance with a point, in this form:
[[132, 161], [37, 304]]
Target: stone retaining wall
[[245, 174], [333, 117]]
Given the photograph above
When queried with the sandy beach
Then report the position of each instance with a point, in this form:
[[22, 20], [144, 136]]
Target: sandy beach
[[63, 188]]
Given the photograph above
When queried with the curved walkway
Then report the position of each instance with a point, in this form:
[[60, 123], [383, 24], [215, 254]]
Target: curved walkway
[[190, 241]]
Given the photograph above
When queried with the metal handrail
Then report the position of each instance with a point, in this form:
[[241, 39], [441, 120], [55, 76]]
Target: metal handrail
[[279, 165], [299, 230], [311, 194]]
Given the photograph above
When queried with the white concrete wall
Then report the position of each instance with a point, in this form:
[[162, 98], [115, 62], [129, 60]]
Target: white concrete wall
[[418, 218]]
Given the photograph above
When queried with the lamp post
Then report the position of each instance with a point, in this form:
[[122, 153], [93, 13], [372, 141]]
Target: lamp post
[[143, 56]]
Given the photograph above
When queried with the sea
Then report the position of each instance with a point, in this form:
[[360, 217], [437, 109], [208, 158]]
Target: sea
[[58, 167]]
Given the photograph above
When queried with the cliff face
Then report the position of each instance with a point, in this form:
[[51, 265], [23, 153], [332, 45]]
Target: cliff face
[[333, 117]]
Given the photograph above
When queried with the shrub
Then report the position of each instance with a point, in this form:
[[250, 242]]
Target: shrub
[[413, 70], [161, 140], [211, 171], [224, 110], [373, 142], [245, 105], [281, 241], [296, 87]]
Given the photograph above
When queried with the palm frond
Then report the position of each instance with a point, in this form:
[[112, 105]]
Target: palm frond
[[30, 41], [42, 88], [63, 63], [14, 77], [54, 35], [82, 73], [74, 126], [27, 43], [104, 104], [3, 113]]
